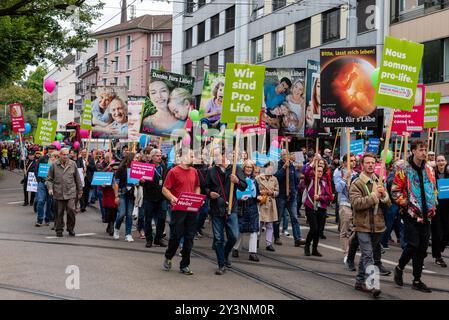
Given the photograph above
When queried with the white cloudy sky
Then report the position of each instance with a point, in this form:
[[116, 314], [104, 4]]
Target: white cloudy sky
[[112, 9]]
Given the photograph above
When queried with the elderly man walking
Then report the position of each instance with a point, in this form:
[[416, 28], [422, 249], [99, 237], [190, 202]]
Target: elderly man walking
[[64, 184]]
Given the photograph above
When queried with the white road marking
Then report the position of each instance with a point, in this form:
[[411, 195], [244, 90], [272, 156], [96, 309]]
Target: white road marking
[[15, 202], [76, 235], [383, 260]]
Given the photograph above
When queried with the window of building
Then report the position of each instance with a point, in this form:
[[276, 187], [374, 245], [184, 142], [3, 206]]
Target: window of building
[[201, 32], [402, 10], [116, 81], [201, 3], [116, 64], [366, 15], [213, 63], [433, 61], [78, 55], [106, 45], [189, 6], [257, 9], [199, 69], [278, 43], [188, 69], [214, 26], [128, 62], [128, 82], [156, 45], [155, 65], [105, 81], [117, 44], [302, 35], [228, 56], [230, 19], [331, 25], [128, 42], [257, 50], [105, 65], [79, 70], [188, 38], [277, 4]]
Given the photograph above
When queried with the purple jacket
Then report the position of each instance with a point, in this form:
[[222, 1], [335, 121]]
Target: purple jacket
[[323, 190]]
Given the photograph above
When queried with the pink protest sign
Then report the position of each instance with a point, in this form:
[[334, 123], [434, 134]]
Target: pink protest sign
[[411, 121], [140, 170], [189, 202], [377, 171], [17, 119]]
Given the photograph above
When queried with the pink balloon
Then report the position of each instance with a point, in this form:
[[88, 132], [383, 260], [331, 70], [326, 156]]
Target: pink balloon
[[275, 144], [84, 133], [49, 85], [57, 144], [76, 145], [186, 140]]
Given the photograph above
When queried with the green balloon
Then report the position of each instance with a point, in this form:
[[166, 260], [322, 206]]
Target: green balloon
[[375, 77], [59, 136], [194, 115], [389, 156]]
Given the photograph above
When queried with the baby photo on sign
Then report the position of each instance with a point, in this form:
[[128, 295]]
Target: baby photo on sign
[[110, 113], [169, 101]]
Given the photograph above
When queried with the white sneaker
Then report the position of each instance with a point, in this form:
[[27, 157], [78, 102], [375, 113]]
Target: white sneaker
[[129, 238], [286, 233], [345, 259], [116, 234]]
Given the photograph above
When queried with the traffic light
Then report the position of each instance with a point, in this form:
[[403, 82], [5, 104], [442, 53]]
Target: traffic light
[[70, 104]]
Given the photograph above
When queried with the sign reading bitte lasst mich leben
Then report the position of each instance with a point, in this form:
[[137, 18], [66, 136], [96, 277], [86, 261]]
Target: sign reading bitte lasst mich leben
[[399, 73], [243, 93]]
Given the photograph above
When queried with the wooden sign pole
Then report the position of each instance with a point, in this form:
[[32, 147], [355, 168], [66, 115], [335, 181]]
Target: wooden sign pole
[[429, 139], [384, 155], [234, 168], [316, 172], [405, 146], [400, 148], [348, 151], [395, 148], [22, 153], [335, 142]]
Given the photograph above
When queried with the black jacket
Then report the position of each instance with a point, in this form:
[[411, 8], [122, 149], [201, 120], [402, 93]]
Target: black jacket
[[90, 167], [152, 190], [213, 178], [43, 159], [202, 175]]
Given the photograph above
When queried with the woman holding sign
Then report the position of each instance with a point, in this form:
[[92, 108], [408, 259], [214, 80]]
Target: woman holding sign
[[248, 212]]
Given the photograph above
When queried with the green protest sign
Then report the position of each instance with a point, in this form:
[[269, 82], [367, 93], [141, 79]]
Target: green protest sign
[[45, 133], [399, 73], [243, 93], [432, 109], [86, 117]]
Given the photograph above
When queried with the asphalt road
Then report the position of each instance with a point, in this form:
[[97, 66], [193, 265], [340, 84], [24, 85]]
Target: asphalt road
[[34, 265]]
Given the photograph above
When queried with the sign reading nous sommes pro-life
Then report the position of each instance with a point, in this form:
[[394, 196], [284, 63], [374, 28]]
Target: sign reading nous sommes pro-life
[[243, 93], [399, 73]]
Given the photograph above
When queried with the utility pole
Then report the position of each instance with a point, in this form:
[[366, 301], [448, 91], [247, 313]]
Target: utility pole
[[351, 41]]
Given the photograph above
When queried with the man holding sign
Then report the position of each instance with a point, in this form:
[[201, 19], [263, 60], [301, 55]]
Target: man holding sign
[[64, 184], [30, 165], [182, 178]]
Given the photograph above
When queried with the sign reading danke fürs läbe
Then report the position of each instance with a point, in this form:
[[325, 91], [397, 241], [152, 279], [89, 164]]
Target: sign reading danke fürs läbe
[[399, 73], [243, 93]]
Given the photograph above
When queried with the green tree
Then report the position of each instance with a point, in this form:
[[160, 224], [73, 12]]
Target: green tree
[[31, 99], [34, 80], [33, 31]]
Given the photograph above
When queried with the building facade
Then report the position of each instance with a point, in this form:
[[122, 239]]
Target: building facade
[[86, 71], [56, 104], [128, 51], [427, 22], [276, 33]]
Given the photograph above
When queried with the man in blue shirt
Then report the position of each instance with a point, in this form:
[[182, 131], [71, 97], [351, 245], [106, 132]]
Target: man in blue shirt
[[274, 96]]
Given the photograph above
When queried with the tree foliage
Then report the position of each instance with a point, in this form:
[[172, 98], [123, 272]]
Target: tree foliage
[[33, 31], [34, 80]]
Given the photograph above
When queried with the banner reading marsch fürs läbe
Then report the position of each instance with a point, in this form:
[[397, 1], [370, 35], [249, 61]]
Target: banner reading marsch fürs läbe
[[399, 73], [432, 109], [45, 133], [243, 93]]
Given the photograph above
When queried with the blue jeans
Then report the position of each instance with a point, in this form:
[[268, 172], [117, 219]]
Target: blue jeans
[[389, 215], [141, 219], [202, 215], [368, 243], [125, 209], [291, 207], [100, 201], [285, 220], [230, 224], [44, 204]]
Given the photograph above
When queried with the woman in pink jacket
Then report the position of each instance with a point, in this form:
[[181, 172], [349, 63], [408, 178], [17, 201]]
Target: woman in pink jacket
[[316, 206]]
